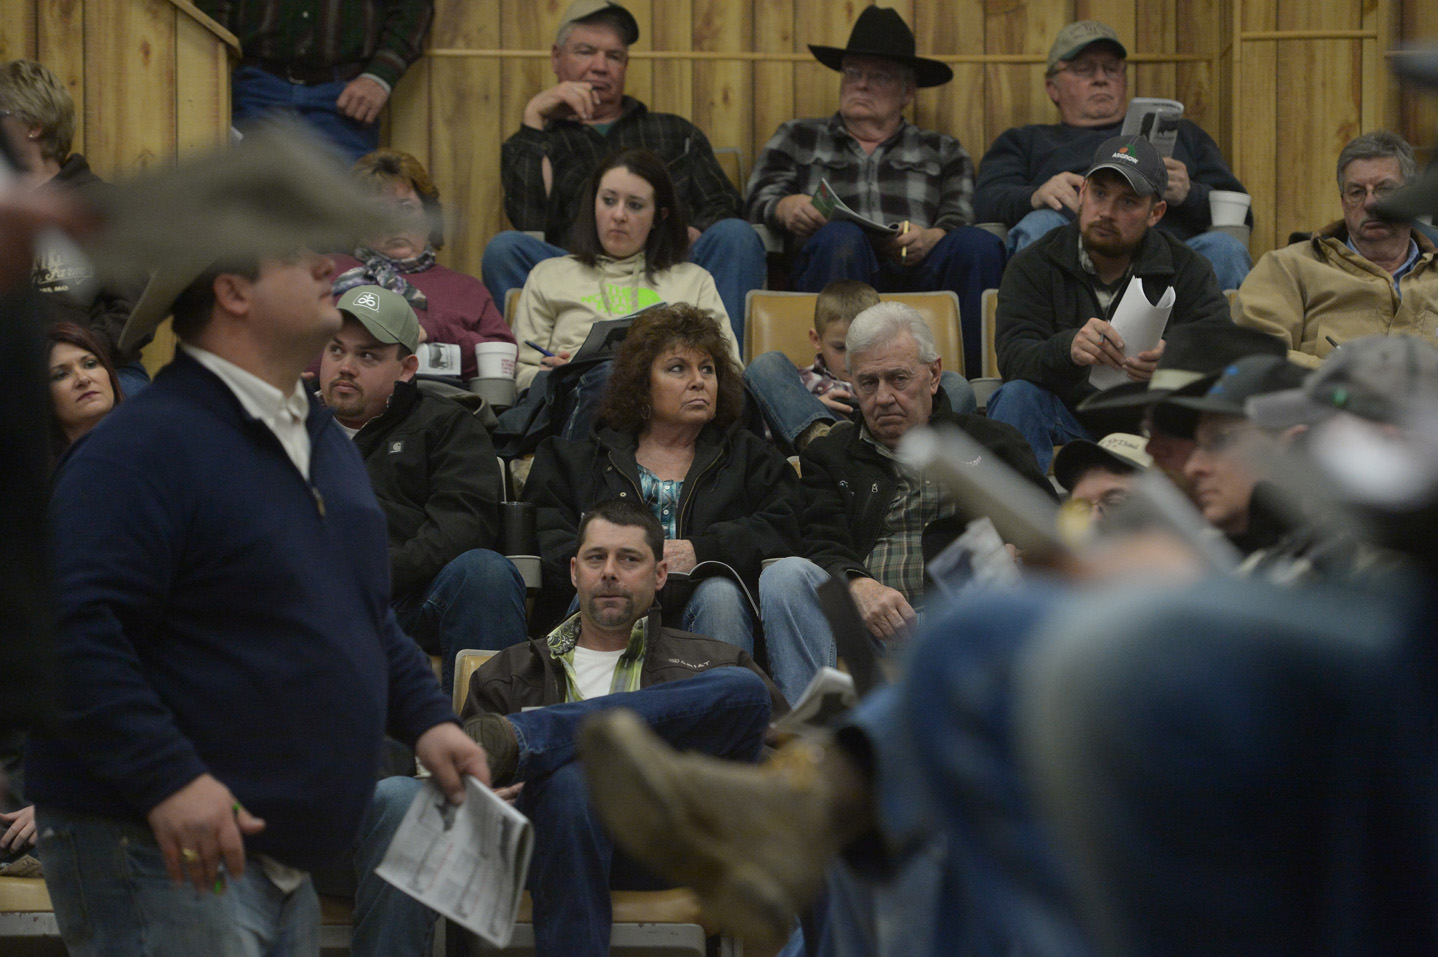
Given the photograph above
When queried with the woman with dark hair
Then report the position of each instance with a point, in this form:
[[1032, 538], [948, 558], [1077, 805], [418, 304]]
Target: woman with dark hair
[[668, 435], [629, 246], [451, 306], [83, 385]]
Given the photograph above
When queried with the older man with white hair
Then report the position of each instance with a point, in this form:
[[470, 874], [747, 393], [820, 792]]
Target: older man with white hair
[[867, 516], [1362, 275]]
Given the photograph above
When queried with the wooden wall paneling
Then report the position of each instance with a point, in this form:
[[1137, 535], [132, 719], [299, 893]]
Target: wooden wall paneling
[[1155, 31], [408, 117], [1417, 119], [825, 23], [1196, 31], [723, 89], [1254, 126], [1015, 92], [1119, 14], [524, 25], [130, 118], [202, 93], [774, 32], [18, 40], [60, 45], [464, 141], [639, 81], [1307, 142], [957, 107], [675, 28]]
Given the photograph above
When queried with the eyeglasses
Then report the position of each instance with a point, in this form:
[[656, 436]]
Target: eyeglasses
[[1217, 443], [1087, 69], [878, 79], [1356, 194]]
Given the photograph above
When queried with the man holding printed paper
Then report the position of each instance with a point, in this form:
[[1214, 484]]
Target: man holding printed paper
[[914, 187], [1059, 296]]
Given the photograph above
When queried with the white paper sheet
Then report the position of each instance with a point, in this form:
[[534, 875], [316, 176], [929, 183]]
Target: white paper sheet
[[1139, 324], [467, 863]]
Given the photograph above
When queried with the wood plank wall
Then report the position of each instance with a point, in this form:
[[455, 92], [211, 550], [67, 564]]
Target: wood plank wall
[[1280, 83], [1309, 75], [150, 78]]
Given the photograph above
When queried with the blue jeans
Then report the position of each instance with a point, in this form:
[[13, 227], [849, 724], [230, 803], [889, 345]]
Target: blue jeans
[[111, 895], [967, 261], [722, 712], [476, 601], [1229, 257], [387, 921], [789, 408], [729, 250], [1242, 769], [946, 770], [797, 636], [256, 93], [1041, 417], [133, 378], [718, 609]]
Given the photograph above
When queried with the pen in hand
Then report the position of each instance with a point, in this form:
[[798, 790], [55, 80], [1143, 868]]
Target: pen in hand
[[539, 348], [904, 231]]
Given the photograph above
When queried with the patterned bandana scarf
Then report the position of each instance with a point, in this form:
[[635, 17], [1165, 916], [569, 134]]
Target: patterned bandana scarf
[[379, 270]]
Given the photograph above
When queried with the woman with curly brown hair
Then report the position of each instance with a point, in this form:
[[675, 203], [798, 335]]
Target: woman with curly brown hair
[[668, 436]]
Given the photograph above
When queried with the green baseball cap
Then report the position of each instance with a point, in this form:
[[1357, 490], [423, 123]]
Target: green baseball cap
[[387, 315], [1077, 37]]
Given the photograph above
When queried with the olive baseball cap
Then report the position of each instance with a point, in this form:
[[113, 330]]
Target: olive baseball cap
[[1078, 37], [387, 315], [582, 10]]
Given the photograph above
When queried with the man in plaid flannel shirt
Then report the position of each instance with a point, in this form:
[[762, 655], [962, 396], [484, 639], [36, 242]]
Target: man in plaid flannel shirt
[[571, 127], [919, 183]]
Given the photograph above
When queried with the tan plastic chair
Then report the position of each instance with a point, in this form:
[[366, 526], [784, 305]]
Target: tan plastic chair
[[780, 321], [650, 922]]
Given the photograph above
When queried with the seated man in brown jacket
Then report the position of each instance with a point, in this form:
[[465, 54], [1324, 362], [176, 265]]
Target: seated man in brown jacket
[[615, 643], [614, 653]]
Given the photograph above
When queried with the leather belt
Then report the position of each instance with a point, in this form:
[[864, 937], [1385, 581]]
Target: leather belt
[[302, 75]]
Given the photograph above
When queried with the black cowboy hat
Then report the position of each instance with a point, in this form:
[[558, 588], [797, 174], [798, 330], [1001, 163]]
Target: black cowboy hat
[[881, 32]]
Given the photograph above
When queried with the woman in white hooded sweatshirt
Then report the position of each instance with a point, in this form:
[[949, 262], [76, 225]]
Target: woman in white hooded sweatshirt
[[629, 246]]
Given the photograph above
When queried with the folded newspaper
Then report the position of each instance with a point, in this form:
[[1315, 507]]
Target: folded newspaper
[[829, 694], [828, 202], [467, 862], [1154, 119]]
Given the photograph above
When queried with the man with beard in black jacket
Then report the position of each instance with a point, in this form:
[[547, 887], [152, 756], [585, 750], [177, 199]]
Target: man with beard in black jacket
[[436, 477], [1059, 295], [865, 512]]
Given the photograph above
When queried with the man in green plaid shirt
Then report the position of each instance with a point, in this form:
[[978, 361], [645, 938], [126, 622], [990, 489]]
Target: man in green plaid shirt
[[333, 63]]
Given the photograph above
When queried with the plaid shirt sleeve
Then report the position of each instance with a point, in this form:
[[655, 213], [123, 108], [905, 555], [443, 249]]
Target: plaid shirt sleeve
[[521, 175], [401, 38], [384, 36], [779, 171], [711, 197], [575, 150], [956, 184], [920, 175]]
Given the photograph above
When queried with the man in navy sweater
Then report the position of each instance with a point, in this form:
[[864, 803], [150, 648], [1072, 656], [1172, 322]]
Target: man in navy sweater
[[223, 584], [1029, 179]]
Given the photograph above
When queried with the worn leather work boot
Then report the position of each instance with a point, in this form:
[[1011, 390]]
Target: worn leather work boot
[[752, 842], [496, 735]]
